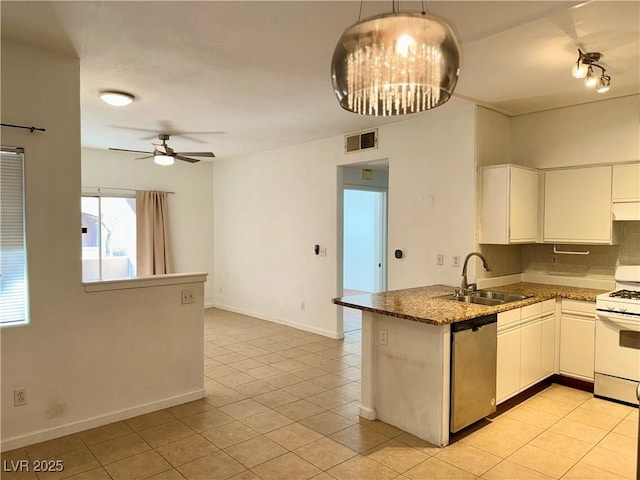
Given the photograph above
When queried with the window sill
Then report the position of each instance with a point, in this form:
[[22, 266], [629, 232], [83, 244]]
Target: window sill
[[145, 282]]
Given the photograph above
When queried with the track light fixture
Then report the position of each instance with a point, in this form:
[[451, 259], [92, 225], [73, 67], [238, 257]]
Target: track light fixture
[[584, 69]]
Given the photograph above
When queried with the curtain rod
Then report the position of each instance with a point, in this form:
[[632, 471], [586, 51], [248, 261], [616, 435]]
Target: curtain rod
[[32, 128], [125, 189]]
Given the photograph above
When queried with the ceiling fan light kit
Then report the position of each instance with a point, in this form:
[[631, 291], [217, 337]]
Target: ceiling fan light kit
[[163, 160], [117, 99], [583, 68], [396, 64]]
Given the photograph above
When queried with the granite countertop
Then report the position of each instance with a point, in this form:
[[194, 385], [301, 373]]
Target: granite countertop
[[421, 305]]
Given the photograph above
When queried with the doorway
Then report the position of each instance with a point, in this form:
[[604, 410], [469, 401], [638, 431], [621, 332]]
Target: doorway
[[364, 237]]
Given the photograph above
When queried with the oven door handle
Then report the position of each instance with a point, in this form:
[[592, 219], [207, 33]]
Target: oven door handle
[[623, 321]]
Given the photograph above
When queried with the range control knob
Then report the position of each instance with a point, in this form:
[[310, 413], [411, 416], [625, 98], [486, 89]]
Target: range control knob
[[611, 307], [622, 308]]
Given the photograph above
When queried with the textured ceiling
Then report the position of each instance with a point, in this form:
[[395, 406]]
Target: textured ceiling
[[256, 74]]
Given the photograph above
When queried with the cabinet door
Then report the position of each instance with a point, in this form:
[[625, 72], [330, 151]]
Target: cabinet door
[[530, 353], [626, 183], [509, 205], [508, 364], [548, 346], [577, 205], [577, 346], [523, 205]]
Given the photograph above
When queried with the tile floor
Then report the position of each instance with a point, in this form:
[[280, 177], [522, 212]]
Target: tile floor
[[282, 404]]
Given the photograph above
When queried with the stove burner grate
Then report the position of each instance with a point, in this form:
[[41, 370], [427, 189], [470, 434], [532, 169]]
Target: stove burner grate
[[626, 294]]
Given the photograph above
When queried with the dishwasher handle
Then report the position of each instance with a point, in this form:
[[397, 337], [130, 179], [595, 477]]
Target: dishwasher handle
[[474, 324]]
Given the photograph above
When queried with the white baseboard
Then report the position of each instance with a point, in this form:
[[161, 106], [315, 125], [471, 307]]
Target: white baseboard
[[97, 421], [368, 413], [288, 323]]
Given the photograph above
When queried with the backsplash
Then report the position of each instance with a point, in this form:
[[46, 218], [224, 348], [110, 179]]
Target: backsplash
[[503, 260], [600, 263], [540, 259], [630, 247]]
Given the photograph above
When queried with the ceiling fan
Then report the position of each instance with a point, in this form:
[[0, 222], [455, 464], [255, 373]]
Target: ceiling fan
[[164, 155]]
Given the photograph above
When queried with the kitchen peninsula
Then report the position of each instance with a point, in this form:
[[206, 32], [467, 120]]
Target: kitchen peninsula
[[406, 350]]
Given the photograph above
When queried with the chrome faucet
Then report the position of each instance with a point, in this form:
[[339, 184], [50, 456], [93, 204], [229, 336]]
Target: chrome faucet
[[465, 287]]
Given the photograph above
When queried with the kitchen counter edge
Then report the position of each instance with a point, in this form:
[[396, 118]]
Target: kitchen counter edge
[[421, 304]]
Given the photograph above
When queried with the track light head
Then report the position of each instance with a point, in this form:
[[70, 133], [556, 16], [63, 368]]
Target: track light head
[[603, 84]]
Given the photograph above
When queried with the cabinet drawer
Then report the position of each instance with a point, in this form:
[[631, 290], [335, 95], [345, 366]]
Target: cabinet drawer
[[531, 311], [509, 317], [577, 306], [549, 306]]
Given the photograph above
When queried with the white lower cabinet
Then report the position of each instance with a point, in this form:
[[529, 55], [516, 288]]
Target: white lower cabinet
[[508, 364], [548, 345], [526, 348], [577, 336], [530, 350]]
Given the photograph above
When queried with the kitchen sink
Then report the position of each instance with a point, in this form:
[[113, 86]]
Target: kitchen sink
[[505, 297], [473, 299], [485, 298]]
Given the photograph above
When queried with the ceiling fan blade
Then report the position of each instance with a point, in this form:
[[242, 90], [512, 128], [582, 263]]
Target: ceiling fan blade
[[125, 150], [187, 135], [197, 154], [146, 156], [186, 159]]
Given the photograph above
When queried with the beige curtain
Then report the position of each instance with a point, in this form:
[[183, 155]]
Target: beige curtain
[[152, 218]]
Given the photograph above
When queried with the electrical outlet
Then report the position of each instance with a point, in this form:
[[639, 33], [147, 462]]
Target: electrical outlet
[[456, 261], [440, 259], [384, 337], [303, 306], [19, 397], [187, 297], [220, 290]]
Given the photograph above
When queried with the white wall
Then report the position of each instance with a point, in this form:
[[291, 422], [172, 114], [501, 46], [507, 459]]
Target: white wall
[[599, 132], [271, 208], [493, 138], [190, 209], [84, 358]]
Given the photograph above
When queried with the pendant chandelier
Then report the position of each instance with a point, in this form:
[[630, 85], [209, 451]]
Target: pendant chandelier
[[396, 64]]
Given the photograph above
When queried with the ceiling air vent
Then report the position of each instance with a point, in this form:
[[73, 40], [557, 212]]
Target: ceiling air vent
[[361, 141]]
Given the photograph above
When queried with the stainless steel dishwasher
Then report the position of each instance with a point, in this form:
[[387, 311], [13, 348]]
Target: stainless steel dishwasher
[[473, 370]]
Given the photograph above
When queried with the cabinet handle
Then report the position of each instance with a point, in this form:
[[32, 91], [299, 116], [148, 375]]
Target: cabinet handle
[[568, 252]]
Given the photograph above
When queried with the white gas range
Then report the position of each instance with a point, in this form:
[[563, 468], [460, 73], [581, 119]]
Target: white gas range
[[617, 342]]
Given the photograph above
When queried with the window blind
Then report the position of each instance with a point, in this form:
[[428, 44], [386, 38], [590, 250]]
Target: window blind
[[14, 307]]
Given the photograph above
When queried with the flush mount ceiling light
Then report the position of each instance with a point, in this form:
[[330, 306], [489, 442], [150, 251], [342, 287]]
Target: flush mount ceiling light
[[396, 64], [163, 160], [583, 68], [117, 99]]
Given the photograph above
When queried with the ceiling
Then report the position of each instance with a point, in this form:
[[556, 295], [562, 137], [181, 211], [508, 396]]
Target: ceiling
[[255, 75]]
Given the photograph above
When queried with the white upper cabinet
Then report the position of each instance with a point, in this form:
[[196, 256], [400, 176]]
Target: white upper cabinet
[[577, 205], [626, 183], [625, 193], [509, 204]]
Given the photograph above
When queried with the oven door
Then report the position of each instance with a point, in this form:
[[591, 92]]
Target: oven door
[[617, 345]]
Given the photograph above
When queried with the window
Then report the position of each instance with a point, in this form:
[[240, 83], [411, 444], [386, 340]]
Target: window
[[14, 292], [108, 238]]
